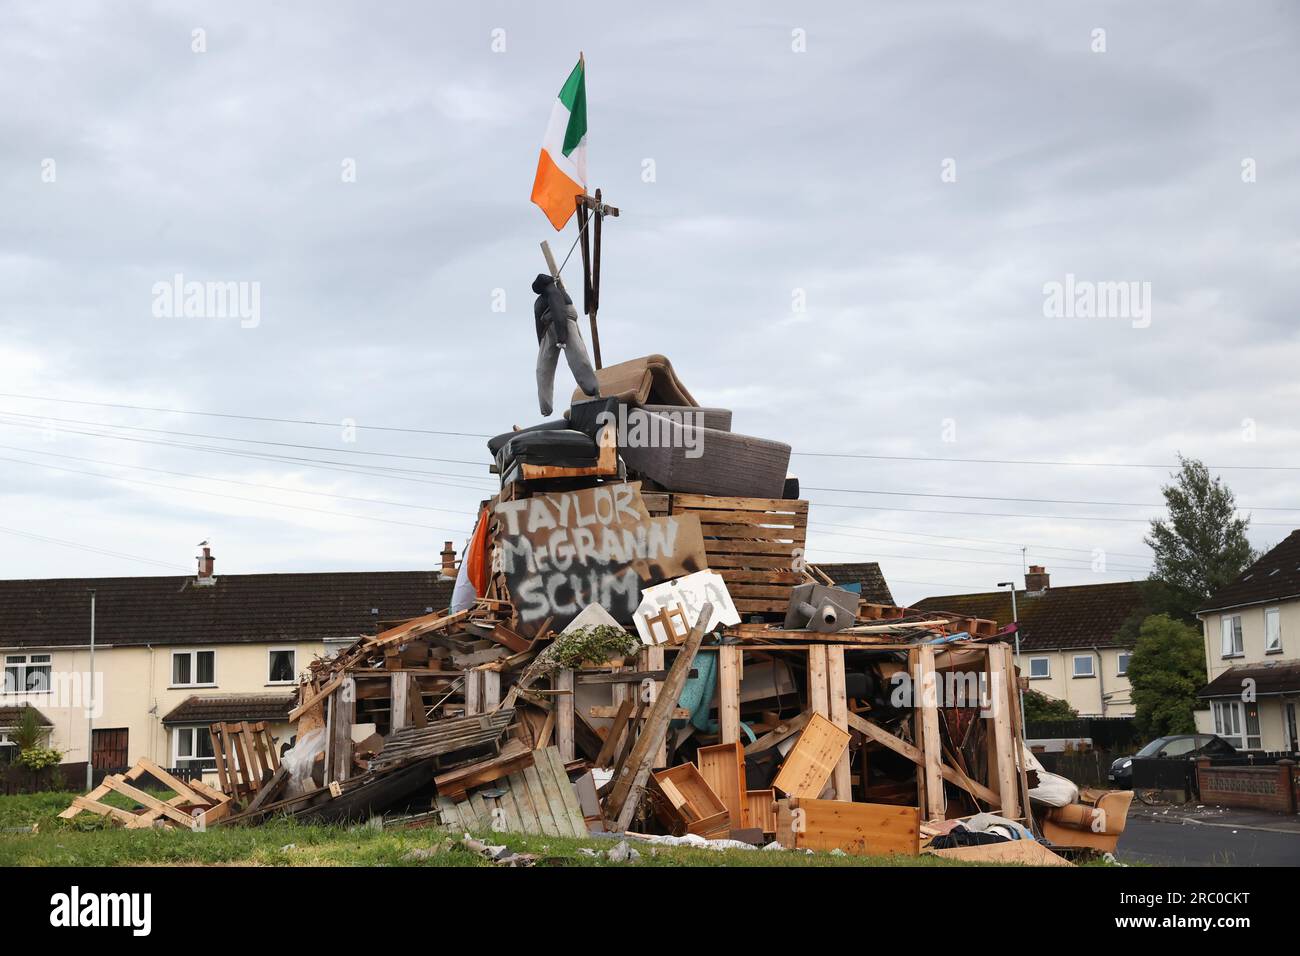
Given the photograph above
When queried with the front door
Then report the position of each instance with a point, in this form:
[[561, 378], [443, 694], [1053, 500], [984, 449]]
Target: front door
[[1291, 728], [109, 749]]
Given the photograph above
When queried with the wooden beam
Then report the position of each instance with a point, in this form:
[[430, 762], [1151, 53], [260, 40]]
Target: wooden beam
[[841, 781], [729, 664], [1001, 693], [631, 780], [902, 747], [928, 701], [652, 659], [779, 733], [564, 681], [119, 784]]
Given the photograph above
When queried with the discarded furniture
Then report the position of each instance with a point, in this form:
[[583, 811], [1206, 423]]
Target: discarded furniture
[[859, 829]]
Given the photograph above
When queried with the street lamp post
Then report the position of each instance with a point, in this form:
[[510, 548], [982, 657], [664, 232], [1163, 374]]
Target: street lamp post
[[90, 710], [1015, 619]]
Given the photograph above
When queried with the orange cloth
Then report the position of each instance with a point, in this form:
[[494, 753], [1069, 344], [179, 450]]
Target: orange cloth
[[476, 562]]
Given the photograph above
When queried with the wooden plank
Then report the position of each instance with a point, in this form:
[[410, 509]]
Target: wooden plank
[[610, 745], [631, 778], [174, 784], [528, 821], [685, 502], [928, 687], [570, 811], [564, 714], [343, 714], [885, 738], [762, 809], [541, 805], [812, 760], [653, 659], [118, 783], [1008, 785], [818, 698], [729, 662], [779, 733], [841, 781], [317, 697], [605, 712], [100, 809], [224, 776], [859, 829], [723, 769], [399, 714]]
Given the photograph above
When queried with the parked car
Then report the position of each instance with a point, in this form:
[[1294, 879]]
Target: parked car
[[1173, 747]]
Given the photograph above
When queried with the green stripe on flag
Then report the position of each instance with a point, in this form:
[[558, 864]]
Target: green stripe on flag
[[574, 98]]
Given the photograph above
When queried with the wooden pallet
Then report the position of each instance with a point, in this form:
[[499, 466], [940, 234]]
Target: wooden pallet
[[538, 799], [194, 807], [756, 544], [246, 757]]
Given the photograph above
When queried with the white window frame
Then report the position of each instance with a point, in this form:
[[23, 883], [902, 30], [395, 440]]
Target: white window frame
[[270, 652], [1231, 643], [1232, 723], [193, 655], [1272, 630], [1121, 663], [24, 663], [1074, 666], [191, 731], [1045, 660]]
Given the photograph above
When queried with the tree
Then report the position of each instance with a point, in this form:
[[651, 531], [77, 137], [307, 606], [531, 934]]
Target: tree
[[1165, 671], [1038, 706], [1202, 546]]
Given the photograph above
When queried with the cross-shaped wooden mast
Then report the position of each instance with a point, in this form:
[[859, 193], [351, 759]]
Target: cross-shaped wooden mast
[[591, 211]]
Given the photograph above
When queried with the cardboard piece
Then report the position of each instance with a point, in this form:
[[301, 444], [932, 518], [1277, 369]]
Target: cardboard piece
[[657, 621]]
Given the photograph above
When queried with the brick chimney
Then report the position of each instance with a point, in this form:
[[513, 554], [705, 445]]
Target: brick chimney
[[206, 563], [448, 560], [1037, 580]]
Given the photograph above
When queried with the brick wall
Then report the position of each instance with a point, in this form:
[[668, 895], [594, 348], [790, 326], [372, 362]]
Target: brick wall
[[1254, 788]]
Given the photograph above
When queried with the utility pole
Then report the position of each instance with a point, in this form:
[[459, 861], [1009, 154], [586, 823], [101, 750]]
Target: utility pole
[[90, 709], [1015, 619]]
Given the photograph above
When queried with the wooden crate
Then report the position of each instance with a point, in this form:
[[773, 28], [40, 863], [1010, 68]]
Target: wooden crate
[[756, 545], [808, 766], [723, 769], [762, 809], [687, 804], [859, 829]]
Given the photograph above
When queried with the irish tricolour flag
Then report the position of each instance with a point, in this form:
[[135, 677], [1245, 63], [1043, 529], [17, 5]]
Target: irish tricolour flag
[[562, 167]]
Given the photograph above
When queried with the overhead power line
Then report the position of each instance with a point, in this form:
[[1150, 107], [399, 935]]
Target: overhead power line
[[807, 454], [92, 549], [217, 494], [247, 418]]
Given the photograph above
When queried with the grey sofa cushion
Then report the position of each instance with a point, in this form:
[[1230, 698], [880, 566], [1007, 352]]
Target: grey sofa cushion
[[727, 463], [719, 418]]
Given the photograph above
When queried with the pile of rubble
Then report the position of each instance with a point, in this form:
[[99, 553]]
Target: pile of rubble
[[636, 645]]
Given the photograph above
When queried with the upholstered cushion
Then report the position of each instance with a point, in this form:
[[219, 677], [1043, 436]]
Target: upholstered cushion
[[642, 380]]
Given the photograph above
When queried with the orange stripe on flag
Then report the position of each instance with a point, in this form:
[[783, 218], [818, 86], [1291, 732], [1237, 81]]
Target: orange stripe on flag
[[553, 191]]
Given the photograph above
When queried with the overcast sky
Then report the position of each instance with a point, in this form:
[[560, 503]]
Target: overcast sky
[[839, 223]]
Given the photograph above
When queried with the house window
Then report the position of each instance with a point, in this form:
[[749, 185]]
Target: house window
[[8, 749], [1238, 723], [194, 668], [282, 665], [192, 747], [1124, 657], [1083, 665], [1273, 630], [27, 674], [1231, 633], [1040, 668]]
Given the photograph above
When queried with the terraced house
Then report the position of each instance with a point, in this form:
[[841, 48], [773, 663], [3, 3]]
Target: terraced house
[[175, 654], [1071, 646], [1251, 630]]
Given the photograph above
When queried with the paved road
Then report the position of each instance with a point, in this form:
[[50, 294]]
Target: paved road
[[1189, 844]]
